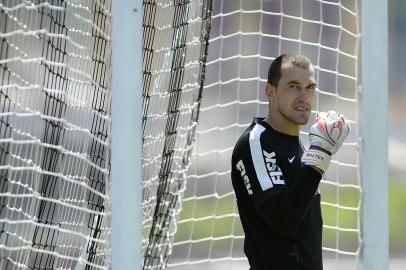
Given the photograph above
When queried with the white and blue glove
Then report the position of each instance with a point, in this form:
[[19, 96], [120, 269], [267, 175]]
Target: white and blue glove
[[326, 137]]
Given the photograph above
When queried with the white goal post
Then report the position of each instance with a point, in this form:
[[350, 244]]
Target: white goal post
[[375, 170], [126, 169]]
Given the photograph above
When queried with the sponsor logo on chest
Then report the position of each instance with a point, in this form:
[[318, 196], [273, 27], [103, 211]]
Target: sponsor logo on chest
[[274, 171]]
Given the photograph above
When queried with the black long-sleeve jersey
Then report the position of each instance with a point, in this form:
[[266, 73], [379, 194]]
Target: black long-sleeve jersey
[[277, 200]]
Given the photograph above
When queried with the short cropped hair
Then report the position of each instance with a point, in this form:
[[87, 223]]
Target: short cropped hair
[[274, 73]]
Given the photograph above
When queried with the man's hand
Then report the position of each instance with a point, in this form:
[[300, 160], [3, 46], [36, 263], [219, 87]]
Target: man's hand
[[326, 137]]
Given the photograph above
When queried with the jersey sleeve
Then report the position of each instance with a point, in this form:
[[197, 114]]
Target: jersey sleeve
[[280, 205]]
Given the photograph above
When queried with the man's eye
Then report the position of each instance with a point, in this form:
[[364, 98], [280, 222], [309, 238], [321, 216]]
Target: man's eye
[[295, 86]]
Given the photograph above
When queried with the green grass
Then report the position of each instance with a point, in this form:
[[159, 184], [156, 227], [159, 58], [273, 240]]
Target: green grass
[[397, 213], [225, 224]]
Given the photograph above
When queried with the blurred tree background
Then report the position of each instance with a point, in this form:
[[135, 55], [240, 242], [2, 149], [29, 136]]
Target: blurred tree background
[[397, 126]]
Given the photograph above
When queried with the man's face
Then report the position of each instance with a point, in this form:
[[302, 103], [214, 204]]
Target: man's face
[[294, 95]]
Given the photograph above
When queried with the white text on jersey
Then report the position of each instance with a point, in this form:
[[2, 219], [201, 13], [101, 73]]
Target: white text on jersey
[[241, 168], [274, 171]]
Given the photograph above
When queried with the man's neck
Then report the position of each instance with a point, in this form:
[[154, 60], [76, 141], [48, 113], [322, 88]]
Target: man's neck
[[282, 125]]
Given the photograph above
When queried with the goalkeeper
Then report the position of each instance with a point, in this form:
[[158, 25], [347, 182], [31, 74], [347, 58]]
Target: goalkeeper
[[276, 180]]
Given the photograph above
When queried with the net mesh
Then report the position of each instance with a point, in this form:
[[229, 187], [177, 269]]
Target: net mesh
[[55, 123], [245, 37], [175, 49]]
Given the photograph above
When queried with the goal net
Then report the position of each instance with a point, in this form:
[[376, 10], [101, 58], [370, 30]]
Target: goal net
[[55, 125], [245, 37], [175, 48], [55, 120], [55, 128]]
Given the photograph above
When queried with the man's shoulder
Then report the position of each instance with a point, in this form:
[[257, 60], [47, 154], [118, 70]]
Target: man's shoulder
[[255, 134], [254, 130], [243, 141]]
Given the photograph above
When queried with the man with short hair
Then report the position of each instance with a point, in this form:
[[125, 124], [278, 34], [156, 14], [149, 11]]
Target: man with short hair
[[276, 181]]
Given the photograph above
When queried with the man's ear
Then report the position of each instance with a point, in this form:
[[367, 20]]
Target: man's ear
[[270, 91]]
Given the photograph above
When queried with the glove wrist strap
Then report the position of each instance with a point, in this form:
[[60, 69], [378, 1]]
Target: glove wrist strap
[[317, 157], [315, 147]]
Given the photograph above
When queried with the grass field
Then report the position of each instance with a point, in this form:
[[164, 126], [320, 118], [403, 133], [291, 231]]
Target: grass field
[[226, 224], [397, 213]]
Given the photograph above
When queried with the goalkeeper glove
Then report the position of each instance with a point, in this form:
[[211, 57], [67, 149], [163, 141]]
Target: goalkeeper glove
[[326, 136]]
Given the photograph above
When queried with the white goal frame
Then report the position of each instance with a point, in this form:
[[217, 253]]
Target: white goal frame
[[375, 170], [126, 134]]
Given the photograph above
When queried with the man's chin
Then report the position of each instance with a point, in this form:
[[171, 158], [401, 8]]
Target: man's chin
[[302, 120], [303, 123]]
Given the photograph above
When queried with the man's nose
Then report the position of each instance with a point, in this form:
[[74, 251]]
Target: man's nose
[[304, 94]]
